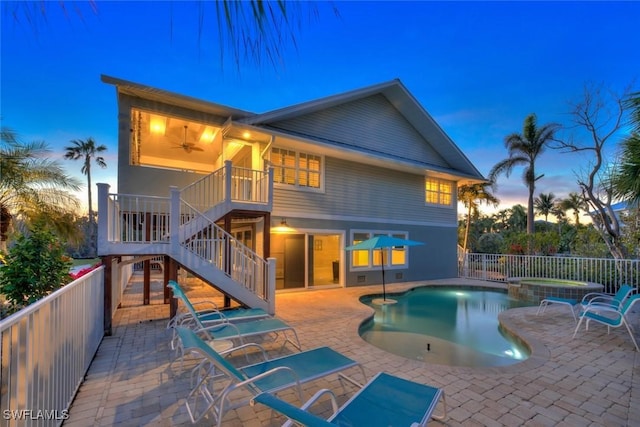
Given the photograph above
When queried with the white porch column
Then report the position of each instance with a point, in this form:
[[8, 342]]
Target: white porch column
[[174, 219], [271, 285], [105, 219], [228, 178]]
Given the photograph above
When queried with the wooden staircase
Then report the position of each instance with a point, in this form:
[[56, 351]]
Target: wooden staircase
[[182, 226]]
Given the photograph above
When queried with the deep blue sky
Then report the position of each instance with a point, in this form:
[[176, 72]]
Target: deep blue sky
[[479, 68]]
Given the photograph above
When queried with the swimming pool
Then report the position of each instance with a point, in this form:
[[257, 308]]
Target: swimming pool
[[449, 325]]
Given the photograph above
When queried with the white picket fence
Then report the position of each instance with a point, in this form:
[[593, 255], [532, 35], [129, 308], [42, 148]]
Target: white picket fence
[[496, 267], [46, 349]]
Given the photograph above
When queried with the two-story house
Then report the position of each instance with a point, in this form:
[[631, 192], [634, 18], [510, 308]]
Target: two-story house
[[250, 202]]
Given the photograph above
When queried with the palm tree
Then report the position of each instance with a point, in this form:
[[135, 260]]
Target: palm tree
[[626, 179], [544, 205], [574, 202], [32, 185], [471, 195], [517, 218], [87, 150], [524, 150], [252, 31]]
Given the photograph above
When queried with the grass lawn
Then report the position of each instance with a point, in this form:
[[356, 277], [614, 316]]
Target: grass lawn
[[85, 261]]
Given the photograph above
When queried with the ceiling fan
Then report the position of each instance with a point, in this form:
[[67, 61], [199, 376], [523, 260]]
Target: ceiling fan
[[187, 146]]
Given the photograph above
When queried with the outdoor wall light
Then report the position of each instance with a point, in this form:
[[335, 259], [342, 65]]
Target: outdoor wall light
[[283, 228]]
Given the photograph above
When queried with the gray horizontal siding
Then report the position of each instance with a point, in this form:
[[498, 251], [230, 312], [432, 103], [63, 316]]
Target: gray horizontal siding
[[372, 124], [364, 191]]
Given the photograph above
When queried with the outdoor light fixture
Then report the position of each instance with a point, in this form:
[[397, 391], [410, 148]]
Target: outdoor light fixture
[[208, 134], [283, 228], [157, 124]]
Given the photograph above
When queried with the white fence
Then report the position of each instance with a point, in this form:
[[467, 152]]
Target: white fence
[[609, 272], [46, 349]]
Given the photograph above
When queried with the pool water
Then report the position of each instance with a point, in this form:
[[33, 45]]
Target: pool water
[[455, 326]]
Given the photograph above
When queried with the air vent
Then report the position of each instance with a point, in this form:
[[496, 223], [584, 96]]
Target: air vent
[[362, 279], [399, 276]]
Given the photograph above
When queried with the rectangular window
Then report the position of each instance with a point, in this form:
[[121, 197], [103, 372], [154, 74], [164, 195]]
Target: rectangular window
[[395, 256], [360, 258], [438, 192], [297, 169]]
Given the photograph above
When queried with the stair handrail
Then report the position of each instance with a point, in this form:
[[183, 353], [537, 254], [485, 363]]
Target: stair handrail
[[211, 243]]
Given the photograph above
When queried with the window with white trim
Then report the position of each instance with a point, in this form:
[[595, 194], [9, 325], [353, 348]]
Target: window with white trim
[[438, 191], [302, 170], [394, 257]]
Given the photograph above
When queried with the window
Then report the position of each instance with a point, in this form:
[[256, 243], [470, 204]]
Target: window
[[438, 192], [296, 169], [395, 256]]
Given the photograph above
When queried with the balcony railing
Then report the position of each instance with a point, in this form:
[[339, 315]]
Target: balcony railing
[[183, 226], [496, 267], [227, 185], [46, 351]]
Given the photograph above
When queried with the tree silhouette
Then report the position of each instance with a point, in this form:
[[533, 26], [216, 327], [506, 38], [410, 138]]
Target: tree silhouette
[[87, 150], [524, 150]]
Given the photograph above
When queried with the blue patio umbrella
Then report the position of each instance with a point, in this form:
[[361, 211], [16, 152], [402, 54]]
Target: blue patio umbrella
[[382, 242]]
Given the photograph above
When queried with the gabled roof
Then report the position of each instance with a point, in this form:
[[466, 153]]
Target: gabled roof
[[160, 95], [397, 94], [394, 91]]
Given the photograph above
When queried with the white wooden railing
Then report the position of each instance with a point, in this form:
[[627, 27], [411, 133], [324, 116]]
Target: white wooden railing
[[180, 223], [46, 349], [228, 184], [496, 267], [213, 244]]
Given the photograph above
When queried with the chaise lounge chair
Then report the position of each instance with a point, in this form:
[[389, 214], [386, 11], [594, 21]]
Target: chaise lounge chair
[[616, 300], [220, 330], [212, 313], [593, 298], [384, 401], [218, 379], [609, 316]]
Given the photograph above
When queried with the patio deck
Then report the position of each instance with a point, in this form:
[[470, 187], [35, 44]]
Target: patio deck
[[592, 380]]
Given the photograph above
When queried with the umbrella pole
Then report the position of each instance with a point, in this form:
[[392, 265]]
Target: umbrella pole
[[384, 292]]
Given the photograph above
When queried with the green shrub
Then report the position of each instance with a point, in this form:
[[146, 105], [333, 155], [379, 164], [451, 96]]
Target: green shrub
[[35, 266]]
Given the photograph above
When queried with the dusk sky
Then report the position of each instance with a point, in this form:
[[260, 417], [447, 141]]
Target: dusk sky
[[479, 68]]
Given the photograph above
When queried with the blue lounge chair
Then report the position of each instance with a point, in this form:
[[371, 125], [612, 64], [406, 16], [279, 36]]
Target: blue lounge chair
[[220, 330], [571, 303], [384, 401], [616, 299], [218, 379], [212, 313], [609, 316]]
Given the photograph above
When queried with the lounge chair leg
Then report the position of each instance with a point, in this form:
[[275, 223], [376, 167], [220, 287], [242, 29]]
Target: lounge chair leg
[[578, 327], [631, 335], [444, 412]]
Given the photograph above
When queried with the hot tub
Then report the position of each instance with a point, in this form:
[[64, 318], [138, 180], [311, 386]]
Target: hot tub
[[535, 289]]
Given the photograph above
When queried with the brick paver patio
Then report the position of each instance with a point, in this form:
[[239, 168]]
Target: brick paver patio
[[588, 381]]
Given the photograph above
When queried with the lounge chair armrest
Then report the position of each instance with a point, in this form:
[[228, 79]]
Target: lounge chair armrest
[[275, 371], [317, 395], [213, 305], [604, 301], [292, 412], [600, 308], [587, 297], [248, 345], [217, 326]]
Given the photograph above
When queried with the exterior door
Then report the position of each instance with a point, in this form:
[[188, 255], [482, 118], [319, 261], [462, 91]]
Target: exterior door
[[324, 259], [294, 261]]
